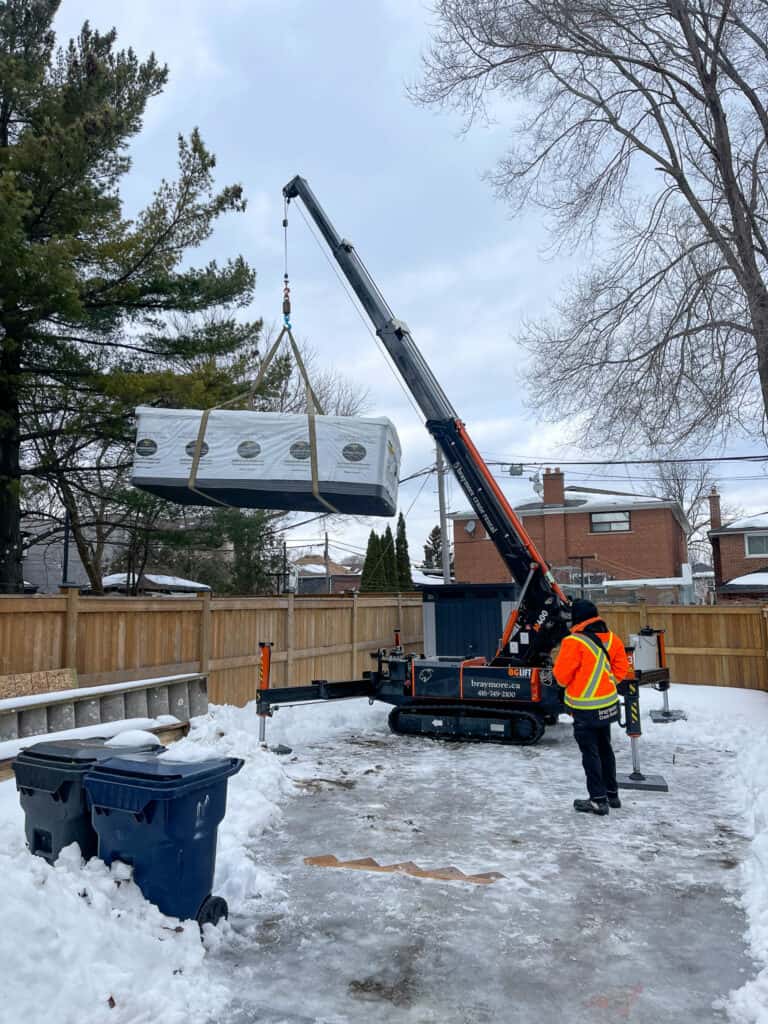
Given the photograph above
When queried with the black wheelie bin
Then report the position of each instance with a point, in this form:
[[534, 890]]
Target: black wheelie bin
[[161, 817], [49, 779]]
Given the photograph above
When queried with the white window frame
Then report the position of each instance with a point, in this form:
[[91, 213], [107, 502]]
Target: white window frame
[[608, 512], [747, 552]]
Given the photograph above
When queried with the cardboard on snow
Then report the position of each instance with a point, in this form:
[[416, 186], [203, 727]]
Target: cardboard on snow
[[262, 460]]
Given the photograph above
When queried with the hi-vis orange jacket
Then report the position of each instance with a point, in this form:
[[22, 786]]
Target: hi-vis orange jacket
[[589, 677]]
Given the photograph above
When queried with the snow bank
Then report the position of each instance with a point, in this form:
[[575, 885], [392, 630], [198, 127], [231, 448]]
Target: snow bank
[[82, 946], [746, 735], [749, 1005]]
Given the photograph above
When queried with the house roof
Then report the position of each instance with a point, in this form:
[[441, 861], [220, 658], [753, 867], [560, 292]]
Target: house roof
[[744, 525], [596, 503], [150, 580], [753, 582]]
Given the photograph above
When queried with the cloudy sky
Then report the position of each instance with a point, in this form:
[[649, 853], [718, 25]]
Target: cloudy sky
[[318, 88]]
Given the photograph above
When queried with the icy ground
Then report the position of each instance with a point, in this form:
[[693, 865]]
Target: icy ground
[[658, 913]]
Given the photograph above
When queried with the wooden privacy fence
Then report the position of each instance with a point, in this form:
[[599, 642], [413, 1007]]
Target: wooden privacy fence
[[717, 646], [118, 639]]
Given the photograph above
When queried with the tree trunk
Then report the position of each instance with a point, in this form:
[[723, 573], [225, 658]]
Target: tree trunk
[[11, 575], [758, 304]]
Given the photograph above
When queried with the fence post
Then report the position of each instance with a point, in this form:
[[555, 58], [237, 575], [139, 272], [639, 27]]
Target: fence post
[[643, 613], [399, 624], [290, 640], [765, 647], [354, 636], [72, 595], [205, 632]]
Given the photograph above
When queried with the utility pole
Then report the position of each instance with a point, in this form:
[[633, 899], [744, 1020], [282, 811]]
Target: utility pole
[[581, 559], [327, 567], [65, 559], [445, 547]]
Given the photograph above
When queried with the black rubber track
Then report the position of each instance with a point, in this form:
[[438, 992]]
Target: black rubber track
[[529, 728]]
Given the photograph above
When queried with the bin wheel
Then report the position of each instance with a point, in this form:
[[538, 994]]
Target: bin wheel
[[212, 911]]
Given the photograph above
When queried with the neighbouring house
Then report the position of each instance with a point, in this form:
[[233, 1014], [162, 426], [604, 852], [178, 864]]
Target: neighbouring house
[[739, 554], [637, 543], [151, 583], [43, 556], [317, 577]]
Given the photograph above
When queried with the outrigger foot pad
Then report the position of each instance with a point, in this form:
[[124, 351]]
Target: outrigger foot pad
[[667, 716], [653, 783]]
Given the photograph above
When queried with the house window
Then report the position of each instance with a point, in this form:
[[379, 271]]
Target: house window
[[609, 522], [757, 544]]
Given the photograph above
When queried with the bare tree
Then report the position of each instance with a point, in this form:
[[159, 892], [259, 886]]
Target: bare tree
[[337, 395], [689, 484], [642, 128]]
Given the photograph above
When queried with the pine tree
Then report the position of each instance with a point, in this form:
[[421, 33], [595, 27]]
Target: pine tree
[[433, 549], [370, 565], [92, 301], [389, 562], [404, 580]]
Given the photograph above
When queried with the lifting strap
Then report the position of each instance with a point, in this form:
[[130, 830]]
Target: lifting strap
[[313, 408]]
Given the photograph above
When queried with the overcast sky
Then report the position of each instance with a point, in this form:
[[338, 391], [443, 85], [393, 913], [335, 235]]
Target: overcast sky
[[318, 88]]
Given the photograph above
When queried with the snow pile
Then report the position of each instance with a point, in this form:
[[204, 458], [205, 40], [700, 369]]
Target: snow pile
[[102, 730], [749, 1005], [134, 738], [746, 735], [83, 946]]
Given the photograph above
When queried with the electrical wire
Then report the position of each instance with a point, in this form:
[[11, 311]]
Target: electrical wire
[[537, 463]]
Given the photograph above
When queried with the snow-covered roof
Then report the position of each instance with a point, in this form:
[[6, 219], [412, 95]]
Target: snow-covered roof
[[759, 521], [422, 579], [750, 522], [120, 579], [752, 579], [593, 503]]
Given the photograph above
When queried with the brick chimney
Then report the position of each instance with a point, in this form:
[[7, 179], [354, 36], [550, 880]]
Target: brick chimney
[[715, 522], [714, 509], [554, 486]]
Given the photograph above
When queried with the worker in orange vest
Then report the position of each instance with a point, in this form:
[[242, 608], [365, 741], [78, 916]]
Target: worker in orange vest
[[592, 660]]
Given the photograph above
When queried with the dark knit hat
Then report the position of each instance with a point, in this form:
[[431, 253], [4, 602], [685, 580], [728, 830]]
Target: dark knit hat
[[582, 610]]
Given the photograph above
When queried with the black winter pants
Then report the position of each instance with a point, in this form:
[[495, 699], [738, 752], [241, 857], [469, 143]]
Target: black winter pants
[[597, 757]]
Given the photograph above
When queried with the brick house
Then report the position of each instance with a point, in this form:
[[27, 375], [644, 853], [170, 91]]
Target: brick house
[[739, 554], [633, 538]]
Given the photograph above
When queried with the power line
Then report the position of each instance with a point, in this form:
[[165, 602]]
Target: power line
[[537, 463]]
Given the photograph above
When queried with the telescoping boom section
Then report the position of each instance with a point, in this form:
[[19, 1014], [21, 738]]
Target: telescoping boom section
[[538, 621], [509, 697]]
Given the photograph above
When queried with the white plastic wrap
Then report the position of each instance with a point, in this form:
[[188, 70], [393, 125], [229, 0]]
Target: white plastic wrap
[[262, 460]]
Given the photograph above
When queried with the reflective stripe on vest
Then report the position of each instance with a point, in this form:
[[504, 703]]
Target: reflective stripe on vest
[[587, 700]]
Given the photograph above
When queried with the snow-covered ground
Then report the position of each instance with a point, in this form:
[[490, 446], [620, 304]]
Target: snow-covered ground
[[658, 913]]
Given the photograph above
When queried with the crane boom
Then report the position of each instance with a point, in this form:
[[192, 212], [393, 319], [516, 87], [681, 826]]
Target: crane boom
[[538, 623]]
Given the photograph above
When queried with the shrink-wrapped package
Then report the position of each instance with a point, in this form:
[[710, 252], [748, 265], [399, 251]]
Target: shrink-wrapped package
[[263, 460]]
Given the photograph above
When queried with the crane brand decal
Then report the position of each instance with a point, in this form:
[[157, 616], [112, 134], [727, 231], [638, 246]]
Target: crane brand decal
[[301, 450], [354, 452], [190, 449], [425, 675], [249, 449], [146, 446], [492, 688]]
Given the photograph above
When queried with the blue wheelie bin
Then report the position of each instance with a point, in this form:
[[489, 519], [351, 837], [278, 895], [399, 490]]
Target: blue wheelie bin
[[162, 817], [49, 778]]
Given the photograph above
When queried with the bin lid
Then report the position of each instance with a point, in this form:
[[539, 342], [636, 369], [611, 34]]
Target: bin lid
[[149, 770], [78, 751]]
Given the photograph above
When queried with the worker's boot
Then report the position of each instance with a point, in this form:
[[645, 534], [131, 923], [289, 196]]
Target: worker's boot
[[614, 801], [591, 806]]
